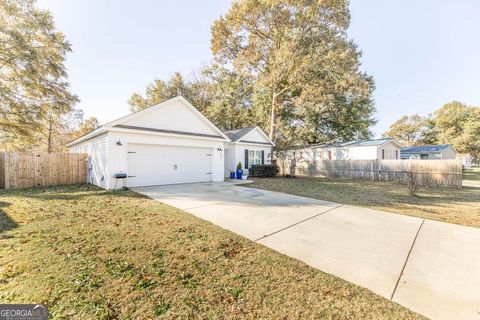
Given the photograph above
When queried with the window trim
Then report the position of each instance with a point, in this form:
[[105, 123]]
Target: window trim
[[254, 157]]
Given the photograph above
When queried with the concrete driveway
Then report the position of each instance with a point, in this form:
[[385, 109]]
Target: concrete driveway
[[430, 267]]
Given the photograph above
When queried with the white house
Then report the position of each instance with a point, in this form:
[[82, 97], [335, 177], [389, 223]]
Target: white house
[[466, 159], [375, 149], [168, 143], [429, 152], [248, 146]]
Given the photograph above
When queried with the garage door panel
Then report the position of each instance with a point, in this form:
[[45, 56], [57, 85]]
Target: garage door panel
[[157, 165]]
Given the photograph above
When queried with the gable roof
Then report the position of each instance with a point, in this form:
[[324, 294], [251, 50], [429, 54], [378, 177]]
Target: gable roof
[[119, 123], [426, 148], [365, 143], [237, 135], [358, 143]]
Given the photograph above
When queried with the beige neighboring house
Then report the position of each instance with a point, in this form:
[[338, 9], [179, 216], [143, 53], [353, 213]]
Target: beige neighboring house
[[466, 159], [374, 149]]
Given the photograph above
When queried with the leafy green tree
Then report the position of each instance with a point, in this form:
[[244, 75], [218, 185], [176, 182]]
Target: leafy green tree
[[454, 123], [408, 130], [33, 86], [469, 141], [450, 121], [195, 91], [458, 124], [88, 125], [301, 57], [230, 96]]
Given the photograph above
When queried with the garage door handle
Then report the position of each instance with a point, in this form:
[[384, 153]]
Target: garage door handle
[[131, 176]]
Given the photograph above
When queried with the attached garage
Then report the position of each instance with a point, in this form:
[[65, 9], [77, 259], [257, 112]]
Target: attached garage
[[169, 143], [156, 164]]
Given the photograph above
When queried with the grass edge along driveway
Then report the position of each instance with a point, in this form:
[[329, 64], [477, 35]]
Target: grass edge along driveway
[[442, 204], [92, 254]]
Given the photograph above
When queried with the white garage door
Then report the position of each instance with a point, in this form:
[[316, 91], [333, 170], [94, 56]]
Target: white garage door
[[150, 165]]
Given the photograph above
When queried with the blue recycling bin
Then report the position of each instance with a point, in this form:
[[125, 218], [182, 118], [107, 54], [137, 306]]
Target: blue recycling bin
[[239, 174]]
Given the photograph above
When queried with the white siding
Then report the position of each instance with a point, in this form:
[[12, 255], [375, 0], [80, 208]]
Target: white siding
[[119, 154], [346, 153], [358, 153], [173, 115], [255, 136], [230, 158], [236, 154], [97, 150]]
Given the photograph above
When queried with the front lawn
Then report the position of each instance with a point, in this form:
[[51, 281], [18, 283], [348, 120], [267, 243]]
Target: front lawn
[[472, 174], [93, 254], [442, 204]]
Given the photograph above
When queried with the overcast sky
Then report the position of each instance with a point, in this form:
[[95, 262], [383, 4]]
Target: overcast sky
[[421, 53]]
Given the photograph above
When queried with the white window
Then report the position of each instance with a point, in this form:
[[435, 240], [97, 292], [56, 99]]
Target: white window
[[254, 157]]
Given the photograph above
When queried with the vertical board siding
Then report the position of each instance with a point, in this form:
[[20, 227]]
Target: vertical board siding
[[427, 172], [25, 170], [98, 150]]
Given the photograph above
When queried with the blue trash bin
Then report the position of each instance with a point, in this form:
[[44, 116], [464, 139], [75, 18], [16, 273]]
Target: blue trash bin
[[239, 174]]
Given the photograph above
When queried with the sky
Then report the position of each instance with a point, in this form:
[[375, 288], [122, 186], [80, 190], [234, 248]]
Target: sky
[[421, 54]]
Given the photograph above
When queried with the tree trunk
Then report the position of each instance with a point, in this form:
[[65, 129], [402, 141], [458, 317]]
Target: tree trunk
[[293, 166], [273, 116]]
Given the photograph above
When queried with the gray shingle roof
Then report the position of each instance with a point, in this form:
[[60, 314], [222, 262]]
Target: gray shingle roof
[[364, 143], [237, 134], [429, 148], [356, 143]]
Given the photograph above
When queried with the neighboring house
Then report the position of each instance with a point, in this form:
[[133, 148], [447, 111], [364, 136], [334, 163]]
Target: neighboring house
[[168, 143], [375, 149], [466, 159], [429, 152], [248, 146]]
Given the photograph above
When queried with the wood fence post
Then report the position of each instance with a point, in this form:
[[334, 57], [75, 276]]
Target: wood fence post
[[7, 170]]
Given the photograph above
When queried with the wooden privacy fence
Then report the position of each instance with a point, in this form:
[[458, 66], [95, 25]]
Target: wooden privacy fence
[[426, 172], [24, 170]]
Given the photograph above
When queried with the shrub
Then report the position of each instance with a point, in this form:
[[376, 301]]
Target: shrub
[[263, 171], [239, 166], [413, 183]]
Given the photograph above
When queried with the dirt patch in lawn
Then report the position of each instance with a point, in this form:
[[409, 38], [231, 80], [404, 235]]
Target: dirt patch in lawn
[[442, 204], [92, 254]]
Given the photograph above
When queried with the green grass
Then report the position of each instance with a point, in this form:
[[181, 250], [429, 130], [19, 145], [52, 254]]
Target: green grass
[[92, 254], [442, 204], [472, 174]]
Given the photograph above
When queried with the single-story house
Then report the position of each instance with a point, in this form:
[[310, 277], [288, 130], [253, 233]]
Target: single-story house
[[466, 159], [169, 143], [248, 146], [429, 152], [374, 149]]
